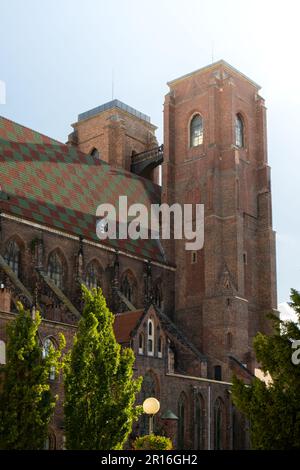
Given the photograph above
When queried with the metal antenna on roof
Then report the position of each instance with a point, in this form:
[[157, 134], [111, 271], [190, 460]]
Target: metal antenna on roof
[[212, 52]]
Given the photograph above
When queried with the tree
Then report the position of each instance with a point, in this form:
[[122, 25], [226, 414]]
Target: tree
[[273, 409], [100, 391], [26, 399]]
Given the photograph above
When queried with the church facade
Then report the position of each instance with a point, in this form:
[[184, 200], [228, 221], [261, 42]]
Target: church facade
[[190, 316]]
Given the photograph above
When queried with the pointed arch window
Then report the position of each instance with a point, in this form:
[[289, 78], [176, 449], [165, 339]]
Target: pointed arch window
[[55, 269], [239, 131], [181, 421], [150, 348], [218, 424], [196, 131], [141, 343], [12, 256], [92, 277], [160, 346], [95, 153], [199, 423], [47, 345], [128, 287]]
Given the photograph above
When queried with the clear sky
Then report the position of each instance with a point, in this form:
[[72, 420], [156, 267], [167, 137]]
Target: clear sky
[[57, 57]]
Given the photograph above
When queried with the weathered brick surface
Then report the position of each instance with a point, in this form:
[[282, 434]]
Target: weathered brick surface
[[217, 300]]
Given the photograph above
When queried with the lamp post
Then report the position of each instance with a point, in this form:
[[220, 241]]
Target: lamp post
[[151, 406]]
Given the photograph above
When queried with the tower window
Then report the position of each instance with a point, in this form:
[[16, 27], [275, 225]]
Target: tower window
[[196, 131], [194, 257], [239, 131], [95, 153], [218, 373]]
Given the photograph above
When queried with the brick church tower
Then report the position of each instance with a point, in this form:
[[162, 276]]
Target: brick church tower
[[215, 153]]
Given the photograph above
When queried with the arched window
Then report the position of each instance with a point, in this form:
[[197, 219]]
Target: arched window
[[12, 256], [95, 153], [55, 269], [199, 423], [92, 277], [218, 372], [47, 345], [128, 287], [160, 346], [181, 421], [196, 131], [2, 352], [141, 343], [239, 131], [218, 424], [150, 348], [149, 389]]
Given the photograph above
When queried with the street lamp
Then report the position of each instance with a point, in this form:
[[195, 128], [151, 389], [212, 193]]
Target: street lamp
[[151, 406]]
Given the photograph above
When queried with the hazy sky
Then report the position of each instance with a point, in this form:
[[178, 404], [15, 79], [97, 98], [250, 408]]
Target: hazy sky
[[57, 56]]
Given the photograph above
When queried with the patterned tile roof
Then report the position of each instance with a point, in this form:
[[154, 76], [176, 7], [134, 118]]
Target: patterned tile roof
[[50, 183]]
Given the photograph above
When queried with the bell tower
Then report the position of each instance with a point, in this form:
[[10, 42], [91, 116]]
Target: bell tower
[[215, 153]]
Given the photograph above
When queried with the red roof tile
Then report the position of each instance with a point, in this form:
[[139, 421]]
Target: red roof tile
[[125, 323]]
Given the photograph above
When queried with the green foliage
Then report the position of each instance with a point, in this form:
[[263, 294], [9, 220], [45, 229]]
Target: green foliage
[[26, 400], [152, 442], [99, 388], [274, 410]]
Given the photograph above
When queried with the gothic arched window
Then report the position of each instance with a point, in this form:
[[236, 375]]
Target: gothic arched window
[[141, 343], [92, 277], [128, 287], [150, 348], [55, 269], [12, 256], [218, 424], [160, 346], [181, 421], [239, 131], [199, 422], [149, 389], [47, 345], [196, 131]]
